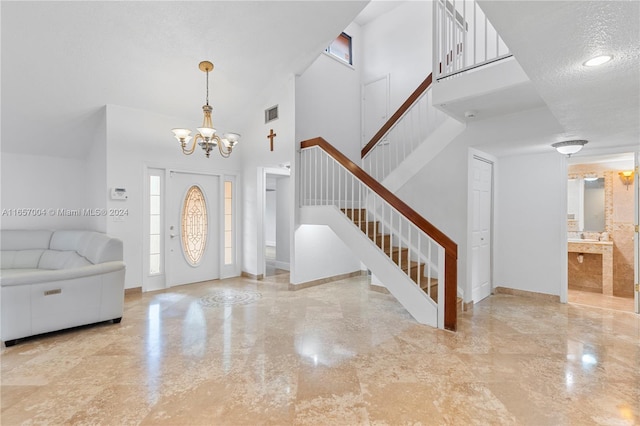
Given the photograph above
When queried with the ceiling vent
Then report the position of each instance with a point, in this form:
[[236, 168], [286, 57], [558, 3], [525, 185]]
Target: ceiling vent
[[271, 114]]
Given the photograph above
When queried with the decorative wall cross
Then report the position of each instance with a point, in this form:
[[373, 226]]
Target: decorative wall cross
[[271, 136]]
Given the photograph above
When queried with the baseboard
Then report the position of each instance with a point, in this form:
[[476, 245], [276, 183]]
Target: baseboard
[[327, 280], [252, 276], [133, 290], [525, 293], [379, 288]]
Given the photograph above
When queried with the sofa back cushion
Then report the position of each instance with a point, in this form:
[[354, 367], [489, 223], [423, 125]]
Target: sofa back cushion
[[94, 246], [22, 239], [21, 259], [56, 259]]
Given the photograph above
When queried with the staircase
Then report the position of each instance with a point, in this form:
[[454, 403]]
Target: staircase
[[399, 255], [415, 270], [416, 262]]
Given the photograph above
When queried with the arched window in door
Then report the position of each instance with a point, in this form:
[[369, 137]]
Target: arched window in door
[[194, 225]]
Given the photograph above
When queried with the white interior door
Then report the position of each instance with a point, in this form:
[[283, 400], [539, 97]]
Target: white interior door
[[481, 231], [193, 228], [375, 107]]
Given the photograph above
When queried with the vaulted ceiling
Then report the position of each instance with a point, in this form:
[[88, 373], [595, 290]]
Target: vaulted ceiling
[[63, 61]]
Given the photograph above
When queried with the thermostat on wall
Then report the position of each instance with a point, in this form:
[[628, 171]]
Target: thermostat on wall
[[119, 194]]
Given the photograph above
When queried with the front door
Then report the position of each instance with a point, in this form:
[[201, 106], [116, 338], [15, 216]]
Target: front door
[[481, 231], [193, 228]]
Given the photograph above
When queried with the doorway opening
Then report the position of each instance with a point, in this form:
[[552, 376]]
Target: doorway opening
[[601, 219], [276, 221]]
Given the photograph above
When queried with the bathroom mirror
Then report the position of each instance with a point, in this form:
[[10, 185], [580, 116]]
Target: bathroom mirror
[[586, 204], [594, 205]]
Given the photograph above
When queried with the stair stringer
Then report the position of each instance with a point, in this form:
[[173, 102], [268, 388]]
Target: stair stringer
[[421, 307], [437, 140]]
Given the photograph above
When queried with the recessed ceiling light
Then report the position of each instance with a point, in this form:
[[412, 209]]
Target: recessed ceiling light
[[598, 60]]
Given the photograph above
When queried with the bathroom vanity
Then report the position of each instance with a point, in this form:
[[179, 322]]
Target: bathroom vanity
[[604, 248]]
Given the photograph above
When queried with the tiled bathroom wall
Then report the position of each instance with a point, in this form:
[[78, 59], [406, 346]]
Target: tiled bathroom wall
[[619, 210]]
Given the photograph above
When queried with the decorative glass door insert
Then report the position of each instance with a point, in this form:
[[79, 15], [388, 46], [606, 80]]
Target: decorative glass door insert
[[194, 225]]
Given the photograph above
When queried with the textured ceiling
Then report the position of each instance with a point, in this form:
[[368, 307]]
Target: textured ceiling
[[63, 61], [552, 39]]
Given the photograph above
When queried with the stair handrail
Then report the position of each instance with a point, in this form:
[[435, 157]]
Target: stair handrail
[[449, 246], [415, 95]]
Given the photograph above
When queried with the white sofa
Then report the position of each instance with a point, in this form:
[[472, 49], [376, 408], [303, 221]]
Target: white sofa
[[52, 280]]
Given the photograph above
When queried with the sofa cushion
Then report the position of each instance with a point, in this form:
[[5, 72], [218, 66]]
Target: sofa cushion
[[22, 239], [94, 246], [56, 259], [21, 259]]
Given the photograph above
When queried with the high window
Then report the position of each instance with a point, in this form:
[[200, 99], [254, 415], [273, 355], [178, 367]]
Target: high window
[[341, 48]]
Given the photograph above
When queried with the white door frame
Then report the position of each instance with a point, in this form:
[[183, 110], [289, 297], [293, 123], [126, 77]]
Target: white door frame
[[153, 282], [262, 206], [467, 292]]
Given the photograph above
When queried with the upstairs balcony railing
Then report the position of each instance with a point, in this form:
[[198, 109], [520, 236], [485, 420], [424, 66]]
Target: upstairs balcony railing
[[463, 38]]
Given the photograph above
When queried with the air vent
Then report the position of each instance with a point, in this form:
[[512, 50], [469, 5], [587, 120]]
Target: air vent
[[271, 114]]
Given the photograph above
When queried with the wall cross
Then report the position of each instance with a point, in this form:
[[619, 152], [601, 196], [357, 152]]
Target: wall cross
[[271, 136]]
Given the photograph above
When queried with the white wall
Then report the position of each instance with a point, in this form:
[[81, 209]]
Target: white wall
[[320, 253], [399, 43], [136, 139], [328, 100], [45, 184], [96, 176], [283, 221], [530, 246], [439, 193], [256, 157]]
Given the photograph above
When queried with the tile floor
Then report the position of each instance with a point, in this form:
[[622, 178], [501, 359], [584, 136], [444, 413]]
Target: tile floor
[[243, 352], [599, 300]]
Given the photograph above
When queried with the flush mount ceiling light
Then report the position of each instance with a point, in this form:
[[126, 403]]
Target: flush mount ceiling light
[[598, 60], [569, 147], [590, 177], [207, 133]]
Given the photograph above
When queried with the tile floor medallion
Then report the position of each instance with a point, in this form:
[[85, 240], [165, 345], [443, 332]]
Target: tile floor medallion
[[229, 297]]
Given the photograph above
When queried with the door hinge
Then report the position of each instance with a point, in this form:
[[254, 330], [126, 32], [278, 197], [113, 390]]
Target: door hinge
[[637, 287], [637, 228]]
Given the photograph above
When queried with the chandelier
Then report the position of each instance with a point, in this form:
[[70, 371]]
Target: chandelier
[[206, 137]]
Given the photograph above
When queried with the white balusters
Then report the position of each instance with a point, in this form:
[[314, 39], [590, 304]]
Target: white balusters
[[327, 182], [411, 129], [463, 38]]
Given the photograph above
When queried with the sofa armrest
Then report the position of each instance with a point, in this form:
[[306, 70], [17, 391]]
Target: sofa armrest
[[45, 275]]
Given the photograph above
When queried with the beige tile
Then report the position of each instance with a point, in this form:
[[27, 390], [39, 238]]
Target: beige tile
[[337, 354]]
